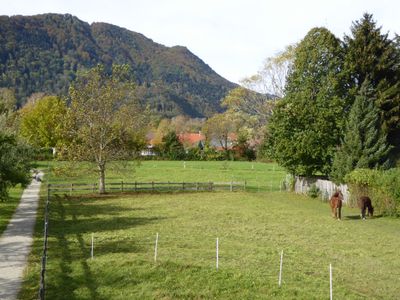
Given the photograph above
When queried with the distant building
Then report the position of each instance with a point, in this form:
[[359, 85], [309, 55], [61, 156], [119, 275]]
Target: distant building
[[192, 140]]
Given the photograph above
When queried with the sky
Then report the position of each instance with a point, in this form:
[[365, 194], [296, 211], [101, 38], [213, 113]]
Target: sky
[[233, 37]]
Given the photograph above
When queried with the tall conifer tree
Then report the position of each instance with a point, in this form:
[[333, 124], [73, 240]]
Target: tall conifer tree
[[373, 55], [364, 144]]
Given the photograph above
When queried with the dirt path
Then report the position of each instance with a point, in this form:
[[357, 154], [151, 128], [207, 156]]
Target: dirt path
[[16, 241]]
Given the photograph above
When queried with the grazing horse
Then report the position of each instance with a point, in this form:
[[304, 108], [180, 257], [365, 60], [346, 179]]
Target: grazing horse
[[365, 203], [336, 205]]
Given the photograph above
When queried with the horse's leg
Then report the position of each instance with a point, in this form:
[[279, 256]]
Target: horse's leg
[[363, 209], [340, 212], [370, 210]]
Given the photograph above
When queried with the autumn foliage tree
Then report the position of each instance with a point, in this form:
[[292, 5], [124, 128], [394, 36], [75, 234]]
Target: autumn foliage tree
[[42, 121], [105, 121]]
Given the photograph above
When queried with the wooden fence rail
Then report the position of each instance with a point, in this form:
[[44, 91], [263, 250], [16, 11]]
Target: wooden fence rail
[[148, 187]]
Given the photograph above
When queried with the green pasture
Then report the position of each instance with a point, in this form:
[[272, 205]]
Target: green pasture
[[258, 176], [252, 230]]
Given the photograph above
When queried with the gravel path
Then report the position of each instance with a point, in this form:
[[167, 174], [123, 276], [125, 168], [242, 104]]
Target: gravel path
[[16, 241]]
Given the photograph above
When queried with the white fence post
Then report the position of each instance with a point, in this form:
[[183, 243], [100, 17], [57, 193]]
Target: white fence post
[[330, 282], [217, 253], [280, 270], [156, 248]]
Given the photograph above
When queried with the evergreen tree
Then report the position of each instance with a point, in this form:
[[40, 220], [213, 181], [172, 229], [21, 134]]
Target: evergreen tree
[[307, 123], [373, 55], [172, 146], [364, 144]]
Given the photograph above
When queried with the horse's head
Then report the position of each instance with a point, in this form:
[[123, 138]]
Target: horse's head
[[338, 194]]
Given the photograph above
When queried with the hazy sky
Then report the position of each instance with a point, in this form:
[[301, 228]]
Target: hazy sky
[[232, 36]]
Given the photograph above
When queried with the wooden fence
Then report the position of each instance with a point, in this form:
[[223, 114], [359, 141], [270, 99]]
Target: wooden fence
[[327, 188], [73, 188]]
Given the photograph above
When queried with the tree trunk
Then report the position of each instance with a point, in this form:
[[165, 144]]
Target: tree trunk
[[102, 183]]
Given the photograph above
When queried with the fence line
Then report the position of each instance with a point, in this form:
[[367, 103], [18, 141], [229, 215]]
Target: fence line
[[122, 187], [326, 187], [149, 187], [42, 286]]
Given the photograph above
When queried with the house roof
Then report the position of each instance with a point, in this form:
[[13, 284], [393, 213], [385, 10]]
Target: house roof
[[191, 138]]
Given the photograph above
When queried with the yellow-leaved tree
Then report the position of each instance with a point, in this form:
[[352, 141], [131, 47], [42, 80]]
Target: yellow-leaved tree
[[105, 120]]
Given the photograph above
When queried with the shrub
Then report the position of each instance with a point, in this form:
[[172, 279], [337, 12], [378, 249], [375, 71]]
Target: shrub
[[382, 186], [313, 191]]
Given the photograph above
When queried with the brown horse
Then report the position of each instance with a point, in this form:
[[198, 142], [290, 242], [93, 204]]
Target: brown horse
[[365, 203], [336, 205]]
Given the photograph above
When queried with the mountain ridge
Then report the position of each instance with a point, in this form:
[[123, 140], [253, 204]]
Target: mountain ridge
[[42, 53]]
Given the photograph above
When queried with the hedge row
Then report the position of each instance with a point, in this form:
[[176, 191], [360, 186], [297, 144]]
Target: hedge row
[[383, 187]]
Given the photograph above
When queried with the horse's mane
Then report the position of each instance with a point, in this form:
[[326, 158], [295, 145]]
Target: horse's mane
[[336, 194]]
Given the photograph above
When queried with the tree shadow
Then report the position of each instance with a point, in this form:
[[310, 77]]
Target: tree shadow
[[69, 221]]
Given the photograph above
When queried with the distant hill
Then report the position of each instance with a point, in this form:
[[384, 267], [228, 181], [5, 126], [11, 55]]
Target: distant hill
[[42, 53]]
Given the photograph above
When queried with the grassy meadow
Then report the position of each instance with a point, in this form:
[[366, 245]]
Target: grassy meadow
[[258, 176], [253, 228], [7, 208]]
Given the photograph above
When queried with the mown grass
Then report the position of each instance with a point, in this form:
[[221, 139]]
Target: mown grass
[[8, 207], [258, 176], [252, 229]]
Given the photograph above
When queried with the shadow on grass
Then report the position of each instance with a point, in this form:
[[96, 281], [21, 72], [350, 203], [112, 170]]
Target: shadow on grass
[[358, 217], [68, 223]]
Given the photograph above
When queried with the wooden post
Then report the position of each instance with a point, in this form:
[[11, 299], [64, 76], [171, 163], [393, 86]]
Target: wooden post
[[197, 186], [280, 270], [122, 186], [183, 186], [152, 186], [71, 189], [135, 186], [245, 183]]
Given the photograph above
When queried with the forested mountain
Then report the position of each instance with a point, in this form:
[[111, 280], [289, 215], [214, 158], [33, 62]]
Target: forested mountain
[[42, 53]]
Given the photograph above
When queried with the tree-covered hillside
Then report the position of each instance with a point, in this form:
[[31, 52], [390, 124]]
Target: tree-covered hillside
[[42, 53]]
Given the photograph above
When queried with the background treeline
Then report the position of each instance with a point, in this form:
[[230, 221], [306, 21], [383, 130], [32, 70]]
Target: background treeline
[[341, 105], [43, 53], [340, 113]]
